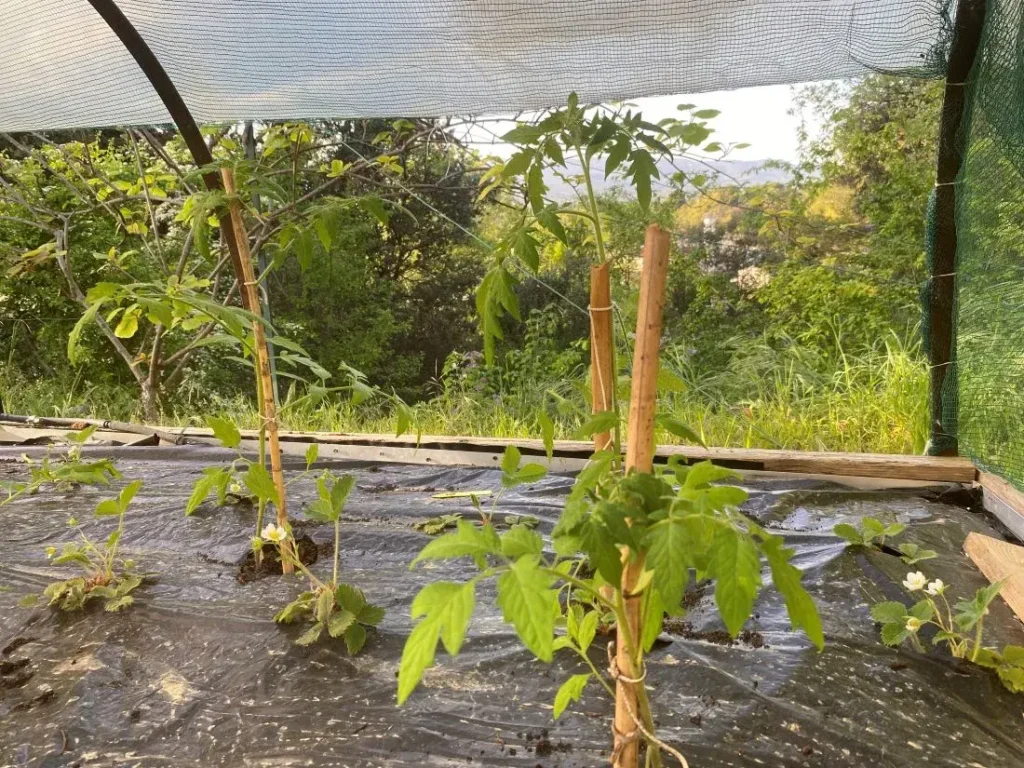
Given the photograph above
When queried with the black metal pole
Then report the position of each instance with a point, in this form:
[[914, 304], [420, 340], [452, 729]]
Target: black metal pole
[[970, 19]]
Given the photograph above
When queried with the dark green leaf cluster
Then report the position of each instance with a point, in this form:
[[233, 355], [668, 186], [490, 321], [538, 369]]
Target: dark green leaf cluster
[[676, 522], [872, 532], [340, 611]]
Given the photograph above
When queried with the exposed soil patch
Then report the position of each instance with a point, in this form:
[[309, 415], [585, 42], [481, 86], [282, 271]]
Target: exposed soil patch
[[270, 565], [542, 745], [748, 637]]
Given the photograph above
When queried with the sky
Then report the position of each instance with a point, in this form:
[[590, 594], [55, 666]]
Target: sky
[[757, 116]]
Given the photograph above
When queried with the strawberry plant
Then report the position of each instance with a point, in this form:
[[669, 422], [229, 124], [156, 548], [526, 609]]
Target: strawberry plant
[[333, 607], [106, 575], [958, 627], [62, 471]]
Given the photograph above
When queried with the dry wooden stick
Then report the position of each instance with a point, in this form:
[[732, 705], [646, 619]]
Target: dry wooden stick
[[602, 350], [639, 458], [261, 353]]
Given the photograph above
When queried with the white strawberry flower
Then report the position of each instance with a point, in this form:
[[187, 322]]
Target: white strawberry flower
[[913, 623], [935, 588], [274, 533], [915, 581]]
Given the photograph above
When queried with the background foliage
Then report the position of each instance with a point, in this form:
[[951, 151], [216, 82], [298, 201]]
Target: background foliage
[[792, 314]]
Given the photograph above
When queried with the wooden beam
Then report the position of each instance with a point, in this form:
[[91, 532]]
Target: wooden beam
[[940, 469], [999, 561], [1004, 501]]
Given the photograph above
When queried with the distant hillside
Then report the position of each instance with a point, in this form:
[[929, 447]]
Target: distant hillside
[[730, 172]]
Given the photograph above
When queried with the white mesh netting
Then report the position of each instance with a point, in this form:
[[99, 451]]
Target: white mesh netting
[[61, 67]]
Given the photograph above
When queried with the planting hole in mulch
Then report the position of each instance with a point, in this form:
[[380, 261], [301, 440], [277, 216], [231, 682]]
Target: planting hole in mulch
[[270, 564]]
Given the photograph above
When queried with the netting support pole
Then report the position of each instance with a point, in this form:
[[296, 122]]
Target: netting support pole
[[970, 18], [180, 114]]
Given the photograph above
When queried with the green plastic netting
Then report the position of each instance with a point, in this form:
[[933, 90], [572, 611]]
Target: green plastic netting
[[983, 399]]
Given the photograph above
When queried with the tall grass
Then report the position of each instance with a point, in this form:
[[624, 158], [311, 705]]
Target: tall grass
[[769, 396]]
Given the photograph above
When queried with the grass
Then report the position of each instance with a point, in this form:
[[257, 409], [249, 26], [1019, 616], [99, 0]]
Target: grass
[[875, 401]]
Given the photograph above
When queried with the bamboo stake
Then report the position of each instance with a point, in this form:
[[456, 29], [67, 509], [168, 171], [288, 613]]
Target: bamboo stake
[[640, 458], [261, 354], [602, 350]]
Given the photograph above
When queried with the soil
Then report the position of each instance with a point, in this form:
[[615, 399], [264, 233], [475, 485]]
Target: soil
[[270, 565], [748, 637]]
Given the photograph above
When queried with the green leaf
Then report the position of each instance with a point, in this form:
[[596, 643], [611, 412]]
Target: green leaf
[[535, 187], [550, 221], [447, 608], [668, 546], [529, 604], [310, 636], [603, 421], [210, 479], [510, 460], [517, 164], [547, 431], [653, 616], [571, 690], [703, 474], [894, 634], [371, 615], [128, 325], [786, 577], [311, 454], [737, 570], [587, 630], [922, 610], [225, 431], [259, 482], [355, 639], [706, 114], [128, 493], [528, 473], [108, 507], [340, 490], [76, 332], [350, 598], [467, 541], [888, 612], [848, 532], [679, 429], [520, 540], [616, 156], [339, 622]]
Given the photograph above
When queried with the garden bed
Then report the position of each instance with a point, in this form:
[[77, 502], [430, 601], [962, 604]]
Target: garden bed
[[197, 673]]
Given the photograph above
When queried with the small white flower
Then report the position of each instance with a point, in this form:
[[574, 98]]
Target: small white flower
[[935, 588], [274, 533], [913, 623], [915, 581]]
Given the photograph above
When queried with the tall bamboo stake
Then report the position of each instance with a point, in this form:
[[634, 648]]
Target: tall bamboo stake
[[602, 349], [261, 353], [639, 457]]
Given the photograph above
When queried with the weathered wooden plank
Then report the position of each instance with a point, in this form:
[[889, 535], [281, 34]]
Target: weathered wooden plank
[[949, 469], [1004, 501], [1000, 560]]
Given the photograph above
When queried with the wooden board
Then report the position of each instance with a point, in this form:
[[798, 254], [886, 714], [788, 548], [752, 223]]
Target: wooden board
[[1004, 501], [1000, 560], [941, 469]]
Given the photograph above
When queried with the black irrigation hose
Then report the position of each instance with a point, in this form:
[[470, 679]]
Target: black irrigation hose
[[117, 426]]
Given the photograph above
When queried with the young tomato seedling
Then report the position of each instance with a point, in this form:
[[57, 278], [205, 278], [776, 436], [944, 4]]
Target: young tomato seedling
[[679, 521]]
